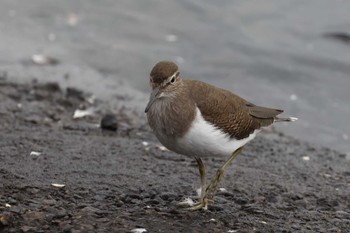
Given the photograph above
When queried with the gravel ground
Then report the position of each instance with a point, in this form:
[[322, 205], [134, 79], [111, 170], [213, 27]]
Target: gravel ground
[[120, 181]]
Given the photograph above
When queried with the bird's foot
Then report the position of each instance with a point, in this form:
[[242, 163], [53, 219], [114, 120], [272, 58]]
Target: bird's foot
[[190, 205], [202, 205]]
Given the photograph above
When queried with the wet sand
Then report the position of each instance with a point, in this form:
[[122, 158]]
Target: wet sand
[[120, 181]]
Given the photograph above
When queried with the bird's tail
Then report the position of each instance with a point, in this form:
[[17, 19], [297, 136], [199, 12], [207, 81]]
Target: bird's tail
[[286, 119]]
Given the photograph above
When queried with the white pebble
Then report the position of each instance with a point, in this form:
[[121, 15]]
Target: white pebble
[[82, 113], [306, 158], [7, 205], [35, 153], [58, 185], [188, 201], [144, 143], [138, 230]]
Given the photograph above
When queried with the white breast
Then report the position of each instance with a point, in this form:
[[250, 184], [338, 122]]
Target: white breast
[[205, 140]]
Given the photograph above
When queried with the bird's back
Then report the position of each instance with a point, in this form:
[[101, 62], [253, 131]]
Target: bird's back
[[229, 112]]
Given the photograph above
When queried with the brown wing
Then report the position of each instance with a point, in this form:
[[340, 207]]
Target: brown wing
[[233, 114]]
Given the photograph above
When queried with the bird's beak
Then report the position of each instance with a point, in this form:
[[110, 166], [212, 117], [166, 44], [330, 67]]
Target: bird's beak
[[154, 96]]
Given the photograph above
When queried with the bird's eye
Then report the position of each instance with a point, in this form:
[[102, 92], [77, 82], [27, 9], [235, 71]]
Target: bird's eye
[[172, 80]]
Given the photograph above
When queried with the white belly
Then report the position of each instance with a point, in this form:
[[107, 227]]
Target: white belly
[[205, 140]]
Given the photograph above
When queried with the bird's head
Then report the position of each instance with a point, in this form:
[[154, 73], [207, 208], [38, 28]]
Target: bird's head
[[164, 80]]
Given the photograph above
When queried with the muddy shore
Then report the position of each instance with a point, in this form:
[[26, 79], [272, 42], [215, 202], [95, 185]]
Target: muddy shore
[[120, 181]]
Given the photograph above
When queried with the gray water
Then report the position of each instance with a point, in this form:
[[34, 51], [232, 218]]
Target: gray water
[[270, 52]]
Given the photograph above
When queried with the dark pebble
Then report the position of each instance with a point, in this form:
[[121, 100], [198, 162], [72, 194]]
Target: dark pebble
[[74, 93], [241, 201], [152, 202], [12, 201], [109, 122], [251, 208], [215, 208], [168, 196], [33, 119]]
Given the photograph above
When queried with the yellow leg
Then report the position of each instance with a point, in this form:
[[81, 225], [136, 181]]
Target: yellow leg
[[216, 181], [203, 201], [214, 185]]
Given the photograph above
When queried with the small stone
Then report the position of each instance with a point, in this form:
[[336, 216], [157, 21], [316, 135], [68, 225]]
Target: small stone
[[12, 201], [109, 122], [41, 59], [33, 119], [75, 93], [52, 86], [167, 196]]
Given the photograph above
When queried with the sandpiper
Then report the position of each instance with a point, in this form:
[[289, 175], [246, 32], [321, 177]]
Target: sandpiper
[[196, 119]]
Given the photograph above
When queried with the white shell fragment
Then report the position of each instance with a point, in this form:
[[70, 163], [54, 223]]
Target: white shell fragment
[[41, 59], [144, 143], [232, 231], [306, 158], [187, 202], [35, 153], [212, 220], [58, 185], [263, 222], [82, 113], [138, 230], [7, 205]]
